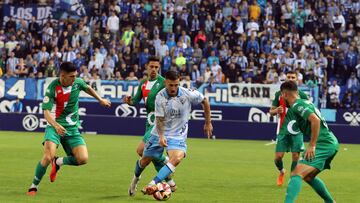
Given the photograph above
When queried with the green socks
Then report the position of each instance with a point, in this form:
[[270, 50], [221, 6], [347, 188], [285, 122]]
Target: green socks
[[279, 164], [39, 173], [159, 163], [293, 165], [293, 189], [318, 185], [70, 160]]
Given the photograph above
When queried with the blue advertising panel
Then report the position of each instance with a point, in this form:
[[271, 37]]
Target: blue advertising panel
[[125, 126], [12, 88], [232, 94]]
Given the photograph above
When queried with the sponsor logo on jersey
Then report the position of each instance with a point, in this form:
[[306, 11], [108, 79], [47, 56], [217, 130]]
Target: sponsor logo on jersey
[[290, 127], [46, 99]]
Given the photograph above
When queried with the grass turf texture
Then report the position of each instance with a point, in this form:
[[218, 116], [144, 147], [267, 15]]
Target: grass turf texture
[[214, 171]]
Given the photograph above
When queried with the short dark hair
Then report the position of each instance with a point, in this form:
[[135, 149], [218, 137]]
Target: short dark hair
[[289, 85], [172, 75], [291, 72], [154, 58], [68, 67]]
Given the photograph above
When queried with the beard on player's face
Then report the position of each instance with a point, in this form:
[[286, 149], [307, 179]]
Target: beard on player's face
[[172, 87]]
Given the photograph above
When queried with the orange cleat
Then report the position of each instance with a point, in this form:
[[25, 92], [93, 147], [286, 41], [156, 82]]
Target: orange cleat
[[32, 192], [54, 170], [281, 178], [149, 189]]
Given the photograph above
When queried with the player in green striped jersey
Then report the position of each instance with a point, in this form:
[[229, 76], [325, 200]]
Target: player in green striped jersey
[[288, 138], [64, 93]]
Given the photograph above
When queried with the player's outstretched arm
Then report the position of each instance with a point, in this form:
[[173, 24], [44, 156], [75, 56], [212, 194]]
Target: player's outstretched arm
[[276, 110], [137, 97], [59, 129], [208, 128], [93, 93]]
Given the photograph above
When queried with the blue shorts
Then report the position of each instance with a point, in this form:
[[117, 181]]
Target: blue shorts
[[153, 148]]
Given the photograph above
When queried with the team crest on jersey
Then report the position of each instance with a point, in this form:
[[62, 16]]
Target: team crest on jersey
[[182, 100], [75, 86], [300, 108], [46, 99]]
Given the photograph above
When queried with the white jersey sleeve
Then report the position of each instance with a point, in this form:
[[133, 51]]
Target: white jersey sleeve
[[195, 97], [160, 106]]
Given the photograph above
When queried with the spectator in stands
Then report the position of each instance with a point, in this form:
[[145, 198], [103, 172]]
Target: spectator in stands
[[113, 23], [17, 106], [353, 85], [254, 11], [334, 94], [11, 62], [132, 77], [348, 101], [21, 69], [287, 35]]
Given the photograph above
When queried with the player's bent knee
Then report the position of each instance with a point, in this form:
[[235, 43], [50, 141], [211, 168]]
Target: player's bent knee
[[308, 179], [47, 158], [139, 151], [175, 160], [295, 156], [279, 156], [145, 161], [82, 160]]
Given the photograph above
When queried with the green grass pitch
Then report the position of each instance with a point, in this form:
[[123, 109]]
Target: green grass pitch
[[213, 171]]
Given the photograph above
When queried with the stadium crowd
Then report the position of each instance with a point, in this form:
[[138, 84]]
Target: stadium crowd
[[206, 41]]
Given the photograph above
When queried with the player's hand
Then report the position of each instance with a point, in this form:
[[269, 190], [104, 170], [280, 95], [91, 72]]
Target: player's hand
[[310, 153], [208, 129], [280, 110], [105, 103], [127, 99], [163, 142], [60, 130]]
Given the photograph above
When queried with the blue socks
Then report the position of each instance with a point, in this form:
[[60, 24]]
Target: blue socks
[[164, 172]]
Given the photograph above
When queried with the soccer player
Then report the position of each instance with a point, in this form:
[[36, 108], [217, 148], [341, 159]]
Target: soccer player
[[64, 93], [287, 138], [147, 90], [172, 111], [322, 148]]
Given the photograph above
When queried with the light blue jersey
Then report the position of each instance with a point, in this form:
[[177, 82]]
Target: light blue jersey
[[176, 111]]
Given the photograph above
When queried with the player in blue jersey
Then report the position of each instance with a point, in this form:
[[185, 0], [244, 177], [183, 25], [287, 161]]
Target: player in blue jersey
[[172, 112]]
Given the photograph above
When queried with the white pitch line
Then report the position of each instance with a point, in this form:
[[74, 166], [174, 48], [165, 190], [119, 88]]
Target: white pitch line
[[270, 143]]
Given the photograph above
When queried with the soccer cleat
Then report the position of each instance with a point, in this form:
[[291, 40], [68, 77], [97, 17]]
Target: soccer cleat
[[281, 178], [172, 185], [173, 188], [133, 186], [32, 191], [54, 169], [149, 189]]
